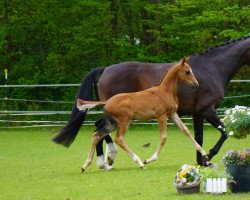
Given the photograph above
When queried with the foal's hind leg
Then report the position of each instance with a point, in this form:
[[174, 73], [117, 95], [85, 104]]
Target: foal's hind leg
[[163, 138], [95, 139], [119, 139]]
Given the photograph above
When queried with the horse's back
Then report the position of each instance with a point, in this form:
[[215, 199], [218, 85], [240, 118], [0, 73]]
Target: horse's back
[[129, 77]]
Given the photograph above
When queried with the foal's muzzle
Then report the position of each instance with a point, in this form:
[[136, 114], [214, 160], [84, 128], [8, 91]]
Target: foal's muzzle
[[195, 85]]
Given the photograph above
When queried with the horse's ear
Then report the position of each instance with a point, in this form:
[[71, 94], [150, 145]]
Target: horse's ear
[[187, 59]]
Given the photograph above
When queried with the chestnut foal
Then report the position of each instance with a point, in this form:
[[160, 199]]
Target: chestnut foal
[[157, 102]]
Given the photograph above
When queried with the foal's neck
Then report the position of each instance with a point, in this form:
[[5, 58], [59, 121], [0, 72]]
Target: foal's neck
[[169, 81]]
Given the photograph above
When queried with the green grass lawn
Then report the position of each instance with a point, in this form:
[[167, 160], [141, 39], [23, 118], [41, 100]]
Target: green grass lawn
[[33, 167]]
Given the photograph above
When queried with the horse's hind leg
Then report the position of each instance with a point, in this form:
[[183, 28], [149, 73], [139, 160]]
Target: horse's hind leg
[[101, 161], [163, 138], [112, 150]]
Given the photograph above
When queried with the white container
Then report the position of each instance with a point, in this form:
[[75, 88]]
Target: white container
[[216, 185]]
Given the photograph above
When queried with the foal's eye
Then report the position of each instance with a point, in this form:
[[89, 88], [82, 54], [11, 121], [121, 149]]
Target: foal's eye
[[187, 72]]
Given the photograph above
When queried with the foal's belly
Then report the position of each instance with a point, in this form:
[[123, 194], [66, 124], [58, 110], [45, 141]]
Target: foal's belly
[[144, 115]]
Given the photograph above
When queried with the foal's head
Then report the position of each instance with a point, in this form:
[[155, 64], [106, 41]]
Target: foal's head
[[186, 74]]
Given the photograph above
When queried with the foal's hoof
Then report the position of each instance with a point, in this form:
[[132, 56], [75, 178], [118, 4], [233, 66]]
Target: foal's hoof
[[82, 169], [145, 162]]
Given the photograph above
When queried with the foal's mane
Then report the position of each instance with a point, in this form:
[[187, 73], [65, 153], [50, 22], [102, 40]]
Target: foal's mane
[[165, 74], [225, 44]]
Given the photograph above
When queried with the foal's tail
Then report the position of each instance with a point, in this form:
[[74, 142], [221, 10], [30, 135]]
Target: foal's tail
[[89, 85], [85, 105]]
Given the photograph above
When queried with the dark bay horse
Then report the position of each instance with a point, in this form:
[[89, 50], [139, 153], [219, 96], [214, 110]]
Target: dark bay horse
[[213, 69], [158, 102]]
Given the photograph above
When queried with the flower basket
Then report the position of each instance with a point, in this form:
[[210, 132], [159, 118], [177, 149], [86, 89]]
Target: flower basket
[[188, 190], [187, 180]]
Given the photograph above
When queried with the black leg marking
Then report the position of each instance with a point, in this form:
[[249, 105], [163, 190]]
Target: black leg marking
[[99, 148], [198, 132]]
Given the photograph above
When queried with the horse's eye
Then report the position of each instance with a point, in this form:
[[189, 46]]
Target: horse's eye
[[187, 72]]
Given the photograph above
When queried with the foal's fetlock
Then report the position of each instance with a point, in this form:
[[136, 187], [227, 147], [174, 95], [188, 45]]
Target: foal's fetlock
[[151, 159], [86, 164]]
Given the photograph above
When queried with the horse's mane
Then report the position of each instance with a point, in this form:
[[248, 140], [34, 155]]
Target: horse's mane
[[225, 44], [208, 51]]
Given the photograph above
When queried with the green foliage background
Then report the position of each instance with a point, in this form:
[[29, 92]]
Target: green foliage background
[[60, 41]]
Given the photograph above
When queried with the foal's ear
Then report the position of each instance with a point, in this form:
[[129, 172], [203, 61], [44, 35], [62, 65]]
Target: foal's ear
[[183, 61]]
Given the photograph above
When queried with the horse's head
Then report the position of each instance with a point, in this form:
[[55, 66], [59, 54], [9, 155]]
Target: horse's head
[[186, 74]]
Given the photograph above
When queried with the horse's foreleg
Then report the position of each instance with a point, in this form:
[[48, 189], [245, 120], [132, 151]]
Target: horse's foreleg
[[119, 139], [211, 116], [163, 138], [185, 130], [198, 134]]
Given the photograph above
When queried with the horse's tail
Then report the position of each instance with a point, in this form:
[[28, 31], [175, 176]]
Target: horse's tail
[[89, 84], [86, 105]]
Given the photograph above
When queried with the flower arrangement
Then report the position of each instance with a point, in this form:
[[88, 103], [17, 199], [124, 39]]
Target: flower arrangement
[[188, 176], [233, 157], [237, 120]]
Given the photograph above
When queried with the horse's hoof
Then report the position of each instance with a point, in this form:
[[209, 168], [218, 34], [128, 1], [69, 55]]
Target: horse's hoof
[[107, 167], [145, 162], [209, 164], [206, 161], [110, 161]]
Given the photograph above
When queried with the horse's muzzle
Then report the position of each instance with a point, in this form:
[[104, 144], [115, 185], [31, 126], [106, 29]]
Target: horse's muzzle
[[195, 86]]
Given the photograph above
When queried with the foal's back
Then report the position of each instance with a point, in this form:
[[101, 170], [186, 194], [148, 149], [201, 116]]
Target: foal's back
[[142, 105]]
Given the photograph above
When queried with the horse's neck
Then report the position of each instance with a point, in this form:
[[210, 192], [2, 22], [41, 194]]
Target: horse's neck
[[228, 59], [169, 81]]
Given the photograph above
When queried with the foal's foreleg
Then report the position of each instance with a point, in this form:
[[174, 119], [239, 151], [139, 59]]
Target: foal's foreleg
[[163, 138], [185, 130]]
